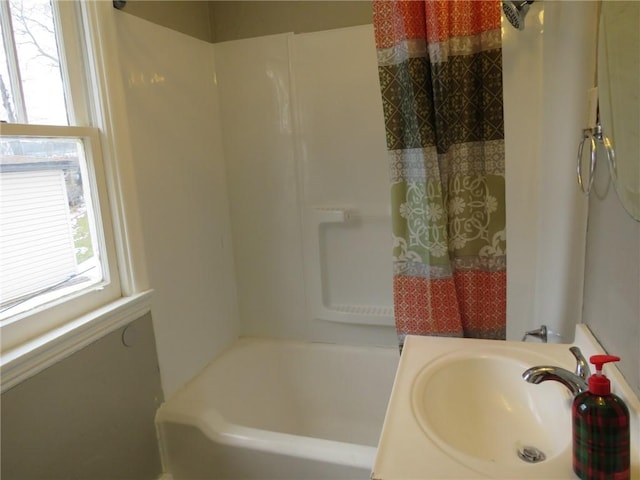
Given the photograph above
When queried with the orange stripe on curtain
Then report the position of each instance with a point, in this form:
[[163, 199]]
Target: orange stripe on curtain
[[425, 305], [433, 20], [482, 299], [460, 18]]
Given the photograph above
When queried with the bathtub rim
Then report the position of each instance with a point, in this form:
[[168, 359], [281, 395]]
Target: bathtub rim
[[212, 424]]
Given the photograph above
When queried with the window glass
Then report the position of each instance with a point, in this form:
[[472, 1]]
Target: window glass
[[35, 47], [7, 106], [48, 227]]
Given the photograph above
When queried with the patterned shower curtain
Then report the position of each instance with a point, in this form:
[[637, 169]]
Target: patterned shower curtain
[[440, 68]]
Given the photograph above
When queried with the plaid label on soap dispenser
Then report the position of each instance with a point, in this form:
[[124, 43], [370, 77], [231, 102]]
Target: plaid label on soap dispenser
[[601, 443]]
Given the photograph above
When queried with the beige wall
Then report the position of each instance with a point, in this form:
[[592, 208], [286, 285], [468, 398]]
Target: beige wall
[[218, 21], [88, 416], [232, 20], [187, 16]]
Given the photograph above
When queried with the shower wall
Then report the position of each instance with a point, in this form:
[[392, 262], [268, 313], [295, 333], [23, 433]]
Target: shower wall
[[306, 160], [548, 68], [172, 105]]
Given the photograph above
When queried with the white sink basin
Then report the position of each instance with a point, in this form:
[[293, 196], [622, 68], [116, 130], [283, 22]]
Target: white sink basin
[[477, 408], [460, 409]]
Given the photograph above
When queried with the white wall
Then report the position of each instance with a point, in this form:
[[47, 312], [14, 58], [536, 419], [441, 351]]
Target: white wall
[[303, 137], [344, 181], [172, 106], [548, 69], [258, 130]]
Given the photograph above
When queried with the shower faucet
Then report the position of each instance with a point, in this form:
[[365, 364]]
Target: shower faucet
[[540, 333]]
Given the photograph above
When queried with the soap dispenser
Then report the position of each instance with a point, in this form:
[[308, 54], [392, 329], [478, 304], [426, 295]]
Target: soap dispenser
[[601, 442]]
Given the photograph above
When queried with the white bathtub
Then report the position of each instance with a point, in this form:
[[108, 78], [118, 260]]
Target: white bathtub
[[274, 409]]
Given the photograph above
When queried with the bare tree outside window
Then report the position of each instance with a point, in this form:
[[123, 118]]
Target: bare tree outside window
[[34, 48], [33, 25]]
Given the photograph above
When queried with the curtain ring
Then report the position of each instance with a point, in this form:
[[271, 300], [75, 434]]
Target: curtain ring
[[593, 146]]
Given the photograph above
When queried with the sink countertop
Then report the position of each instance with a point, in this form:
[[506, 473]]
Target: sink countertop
[[405, 451]]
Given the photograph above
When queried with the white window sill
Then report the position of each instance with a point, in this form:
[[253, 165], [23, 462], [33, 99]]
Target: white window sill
[[28, 359]]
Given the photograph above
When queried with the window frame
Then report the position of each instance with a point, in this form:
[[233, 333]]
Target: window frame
[[26, 353], [21, 327]]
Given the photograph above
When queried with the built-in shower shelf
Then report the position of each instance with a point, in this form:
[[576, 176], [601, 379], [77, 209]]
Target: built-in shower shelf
[[341, 215], [355, 314], [330, 215], [363, 309], [321, 275]]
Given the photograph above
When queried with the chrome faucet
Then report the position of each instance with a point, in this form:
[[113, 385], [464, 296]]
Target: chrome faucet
[[541, 333], [575, 382]]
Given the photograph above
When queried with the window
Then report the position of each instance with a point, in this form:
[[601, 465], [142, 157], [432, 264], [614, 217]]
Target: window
[[57, 249]]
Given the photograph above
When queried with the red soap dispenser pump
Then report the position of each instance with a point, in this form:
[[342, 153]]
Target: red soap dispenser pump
[[601, 443]]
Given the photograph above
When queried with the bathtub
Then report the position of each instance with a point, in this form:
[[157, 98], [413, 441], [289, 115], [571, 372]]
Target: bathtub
[[275, 409]]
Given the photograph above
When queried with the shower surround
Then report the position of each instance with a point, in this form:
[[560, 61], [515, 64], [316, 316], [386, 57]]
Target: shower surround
[[308, 185], [270, 153]]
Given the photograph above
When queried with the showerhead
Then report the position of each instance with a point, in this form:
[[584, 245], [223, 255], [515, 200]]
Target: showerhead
[[516, 11]]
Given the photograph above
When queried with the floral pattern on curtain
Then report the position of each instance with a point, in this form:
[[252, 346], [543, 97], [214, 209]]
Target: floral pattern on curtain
[[440, 69]]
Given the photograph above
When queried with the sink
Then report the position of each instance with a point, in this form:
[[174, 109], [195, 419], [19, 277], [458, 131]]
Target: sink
[[460, 409], [475, 406]]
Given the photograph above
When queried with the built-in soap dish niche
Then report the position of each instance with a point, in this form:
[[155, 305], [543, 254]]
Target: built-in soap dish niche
[[348, 265]]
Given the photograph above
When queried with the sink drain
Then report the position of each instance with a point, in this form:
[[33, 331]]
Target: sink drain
[[531, 454]]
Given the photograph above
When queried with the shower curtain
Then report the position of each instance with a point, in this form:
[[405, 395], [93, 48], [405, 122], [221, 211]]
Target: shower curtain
[[440, 69]]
